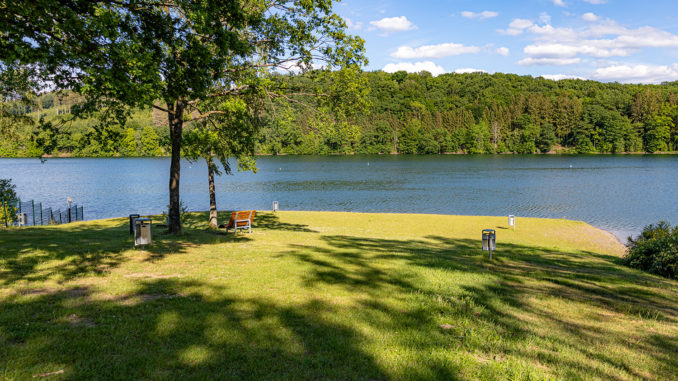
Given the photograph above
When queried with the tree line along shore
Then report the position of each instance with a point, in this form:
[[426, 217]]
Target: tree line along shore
[[400, 113]]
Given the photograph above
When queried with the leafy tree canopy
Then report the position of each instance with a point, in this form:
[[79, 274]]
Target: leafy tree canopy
[[121, 54]]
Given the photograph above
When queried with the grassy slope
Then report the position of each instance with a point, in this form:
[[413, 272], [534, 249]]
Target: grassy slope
[[332, 295]]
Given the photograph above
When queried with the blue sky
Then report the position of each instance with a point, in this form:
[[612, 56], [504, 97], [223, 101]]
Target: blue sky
[[605, 40]]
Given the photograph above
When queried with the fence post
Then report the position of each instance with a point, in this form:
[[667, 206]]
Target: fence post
[[40, 214], [33, 207], [69, 214], [82, 213], [4, 208]]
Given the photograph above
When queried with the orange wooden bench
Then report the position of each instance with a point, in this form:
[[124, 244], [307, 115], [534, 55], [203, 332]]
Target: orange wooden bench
[[240, 220]]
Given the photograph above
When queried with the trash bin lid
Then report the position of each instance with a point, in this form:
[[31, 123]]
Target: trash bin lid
[[140, 220]]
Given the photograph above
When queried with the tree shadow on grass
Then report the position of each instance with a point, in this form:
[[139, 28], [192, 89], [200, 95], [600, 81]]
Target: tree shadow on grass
[[95, 247], [164, 330], [498, 316], [271, 221], [262, 220], [507, 299]]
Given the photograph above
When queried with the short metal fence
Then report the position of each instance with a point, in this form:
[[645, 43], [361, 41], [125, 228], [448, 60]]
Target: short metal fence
[[34, 214]]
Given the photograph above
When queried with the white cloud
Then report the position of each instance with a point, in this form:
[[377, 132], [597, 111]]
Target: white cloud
[[469, 70], [554, 34], [517, 26], [415, 67], [351, 25], [393, 24], [503, 51], [560, 3], [569, 51], [596, 2], [604, 28], [530, 61], [598, 39], [560, 77], [520, 24], [638, 73], [434, 51], [647, 36], [589, 16], [481, 15]]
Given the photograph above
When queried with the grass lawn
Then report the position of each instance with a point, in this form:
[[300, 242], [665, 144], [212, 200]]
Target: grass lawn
[[315, 295]]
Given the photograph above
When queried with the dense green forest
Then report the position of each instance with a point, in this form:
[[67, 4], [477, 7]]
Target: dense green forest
[[400, 113], [62, 133]]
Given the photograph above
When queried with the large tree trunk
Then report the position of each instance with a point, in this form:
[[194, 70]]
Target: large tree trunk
[[176, 123], [213, 196]]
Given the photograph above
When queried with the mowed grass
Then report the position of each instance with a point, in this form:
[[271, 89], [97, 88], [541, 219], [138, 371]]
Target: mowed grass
[[316, 295]]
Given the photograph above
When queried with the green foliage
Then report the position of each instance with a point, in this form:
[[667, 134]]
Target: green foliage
[[409, 137], [129, 145], [655, 250], [477, 139], [230, 133], [150, 142], [31, 149], [188, 56], [476, 113], [8, 200], [547, 138], [7, 190], [658, 130], [454, 113]]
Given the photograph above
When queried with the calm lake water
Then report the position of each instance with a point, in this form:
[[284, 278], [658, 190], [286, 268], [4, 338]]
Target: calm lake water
[[617, 193]]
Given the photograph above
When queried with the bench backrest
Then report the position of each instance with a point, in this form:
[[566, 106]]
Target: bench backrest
[[243, 217]]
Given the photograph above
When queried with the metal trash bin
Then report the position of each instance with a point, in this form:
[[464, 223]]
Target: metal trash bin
[[489, 241], [142, 232], [22, 219], [132, 217]]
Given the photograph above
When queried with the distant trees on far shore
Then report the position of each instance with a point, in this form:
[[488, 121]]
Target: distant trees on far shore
[[480, 113], [405, 113]]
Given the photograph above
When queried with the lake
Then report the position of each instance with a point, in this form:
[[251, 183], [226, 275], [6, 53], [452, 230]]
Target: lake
[[618, 193]]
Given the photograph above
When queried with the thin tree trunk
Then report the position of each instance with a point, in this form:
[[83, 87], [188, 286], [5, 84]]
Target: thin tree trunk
[[213, 196], [176, 122], [495, 127]]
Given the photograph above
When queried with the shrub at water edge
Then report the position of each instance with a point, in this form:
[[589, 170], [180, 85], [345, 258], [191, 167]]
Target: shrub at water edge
[[655, 250]]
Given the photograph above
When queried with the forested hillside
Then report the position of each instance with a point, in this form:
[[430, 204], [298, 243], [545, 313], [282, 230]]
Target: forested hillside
[[400, 113], [480, 113], [61, 133]]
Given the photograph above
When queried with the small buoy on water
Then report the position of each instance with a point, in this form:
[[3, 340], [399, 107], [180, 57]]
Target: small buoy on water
[[570, 165]]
